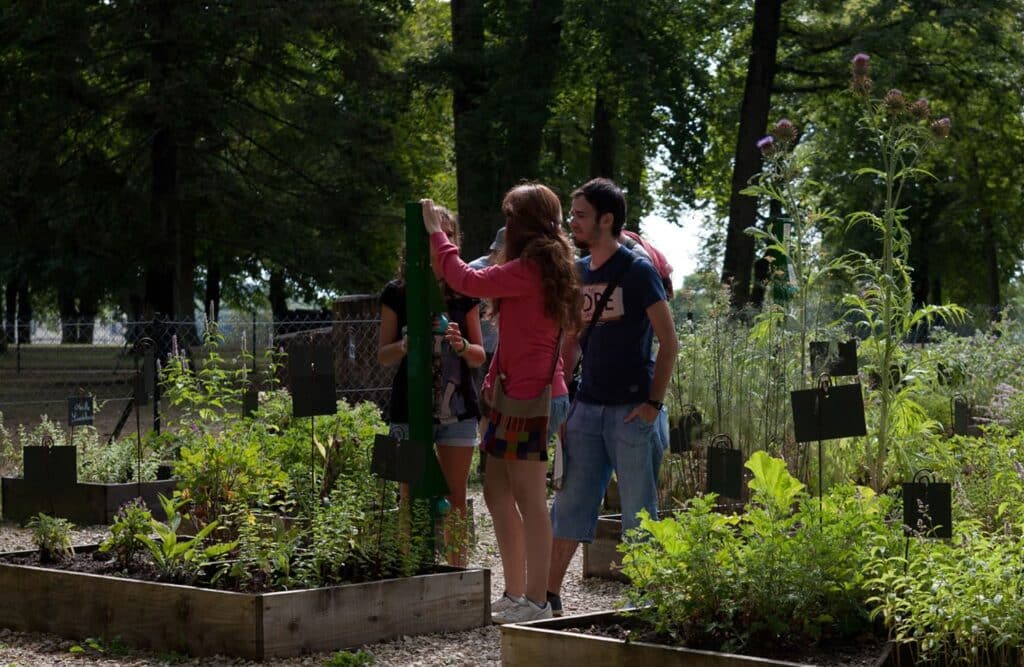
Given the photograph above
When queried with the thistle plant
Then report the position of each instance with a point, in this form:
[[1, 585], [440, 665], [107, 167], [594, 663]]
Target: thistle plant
[[784, 181], [902, 132]]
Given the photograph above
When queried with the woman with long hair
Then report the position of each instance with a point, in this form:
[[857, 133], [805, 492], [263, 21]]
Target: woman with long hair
[[455, 396], [535, 290]]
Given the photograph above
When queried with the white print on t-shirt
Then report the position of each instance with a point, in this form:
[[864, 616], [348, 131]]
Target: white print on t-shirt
[[613, 310]]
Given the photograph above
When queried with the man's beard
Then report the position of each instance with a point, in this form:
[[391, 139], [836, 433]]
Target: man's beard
[[582, 246]]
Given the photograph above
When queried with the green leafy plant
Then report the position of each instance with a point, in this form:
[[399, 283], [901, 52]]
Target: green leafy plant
[[132, 519], [787, 572], [10, 461], [349, 659], [958, 602], [52, 536], [179, 557], [234, 466], [266, 552], [115, 463], [883, 305]]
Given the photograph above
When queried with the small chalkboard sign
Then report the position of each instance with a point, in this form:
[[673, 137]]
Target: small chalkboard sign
[[835, 359], [927, 507], [250, 402], [80, 410], [311, 380], [725, 468], [826, 414], [397, 460]]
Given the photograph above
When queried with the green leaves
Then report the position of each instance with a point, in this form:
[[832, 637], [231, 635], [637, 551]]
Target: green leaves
[[772, 483], [180, 557], [786, 572]]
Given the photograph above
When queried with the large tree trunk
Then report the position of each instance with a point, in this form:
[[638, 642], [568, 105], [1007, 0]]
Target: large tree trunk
[[24, 316], [160, 270], [10, 308], [78, 306], [602, 138], [475, 168], [528, 111], [277, 296], [739, 247]]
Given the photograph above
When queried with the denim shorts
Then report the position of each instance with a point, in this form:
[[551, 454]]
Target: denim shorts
[[456, 434], [598, 441]]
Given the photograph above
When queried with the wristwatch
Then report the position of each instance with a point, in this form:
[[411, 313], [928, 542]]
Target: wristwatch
[[657, 405]]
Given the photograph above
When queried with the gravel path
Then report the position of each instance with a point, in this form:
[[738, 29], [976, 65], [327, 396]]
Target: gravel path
[[480, 646]]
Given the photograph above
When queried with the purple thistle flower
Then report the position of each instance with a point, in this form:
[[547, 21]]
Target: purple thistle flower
[[860, 65], [895, 101], [766, 144], [784, 130], [941, 127], [920, 109]]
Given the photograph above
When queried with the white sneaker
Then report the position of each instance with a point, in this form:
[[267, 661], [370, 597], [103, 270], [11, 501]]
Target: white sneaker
[[506, 602], [523, 612]]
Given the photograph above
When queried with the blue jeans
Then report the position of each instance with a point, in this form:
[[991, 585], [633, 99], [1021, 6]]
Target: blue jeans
[[598, 441]]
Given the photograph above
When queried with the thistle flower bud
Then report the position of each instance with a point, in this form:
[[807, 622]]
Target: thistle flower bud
[[766, 145], [862, 85], [895, 101], [940, 128], [784, 131], [920, 109], [860, 65]]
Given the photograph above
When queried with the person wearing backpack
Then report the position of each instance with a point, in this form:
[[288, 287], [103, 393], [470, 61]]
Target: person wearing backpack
[[617, 418]]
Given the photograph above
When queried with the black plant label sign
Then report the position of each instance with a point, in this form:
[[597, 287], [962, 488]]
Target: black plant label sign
[[928, 509], [396, 460], [827, 415], [725, 471], [80, 410], [311, 376], [836, 359]]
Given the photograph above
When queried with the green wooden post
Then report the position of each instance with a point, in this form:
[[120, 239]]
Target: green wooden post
[[423, 301]]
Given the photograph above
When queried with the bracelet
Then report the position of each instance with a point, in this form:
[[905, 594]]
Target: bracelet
[[465, 346]]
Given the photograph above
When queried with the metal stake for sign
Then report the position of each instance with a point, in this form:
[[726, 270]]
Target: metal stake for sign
[[311, 376]]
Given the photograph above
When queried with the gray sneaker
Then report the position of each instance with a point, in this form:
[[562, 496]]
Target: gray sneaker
[[506, 602], [523, 612]]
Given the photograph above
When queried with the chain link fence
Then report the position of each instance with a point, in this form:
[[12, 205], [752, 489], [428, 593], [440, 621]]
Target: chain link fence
[[38, 377]]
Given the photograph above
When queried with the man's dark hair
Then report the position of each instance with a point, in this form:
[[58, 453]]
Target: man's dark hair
[[605, 197]]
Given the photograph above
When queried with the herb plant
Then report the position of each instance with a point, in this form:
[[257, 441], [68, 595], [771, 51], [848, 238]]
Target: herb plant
[[132, 519], [52, 536], [179, 558]]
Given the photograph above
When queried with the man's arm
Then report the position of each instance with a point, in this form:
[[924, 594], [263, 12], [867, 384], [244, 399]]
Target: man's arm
[[668, 349]]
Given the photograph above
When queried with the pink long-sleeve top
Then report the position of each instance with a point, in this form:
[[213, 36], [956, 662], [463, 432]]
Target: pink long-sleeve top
[[527, 338]]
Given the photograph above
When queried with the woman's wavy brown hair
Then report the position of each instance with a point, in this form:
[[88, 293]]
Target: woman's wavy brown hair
[[533, 231]]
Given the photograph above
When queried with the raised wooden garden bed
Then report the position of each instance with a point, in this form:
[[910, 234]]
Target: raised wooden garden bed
[[549, 643], [84, 503], [204, 622], [601, 558]]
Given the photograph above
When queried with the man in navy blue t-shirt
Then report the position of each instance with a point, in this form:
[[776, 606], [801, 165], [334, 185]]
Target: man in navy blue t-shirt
[[617, 420]]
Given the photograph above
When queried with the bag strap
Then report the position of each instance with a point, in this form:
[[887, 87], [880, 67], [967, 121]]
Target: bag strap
[[599, 307], [554, 360]]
